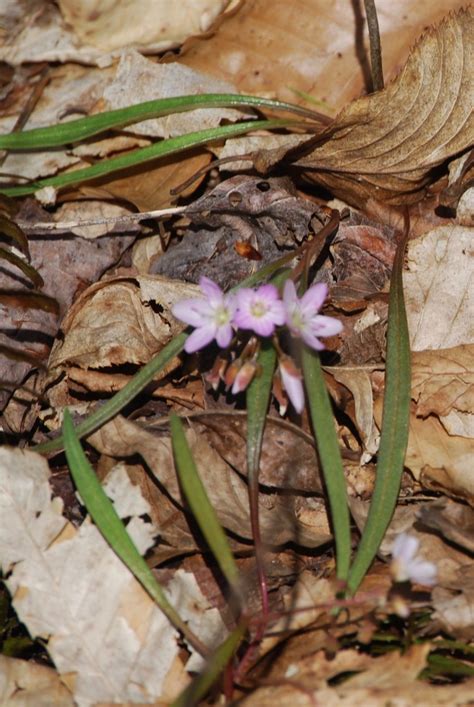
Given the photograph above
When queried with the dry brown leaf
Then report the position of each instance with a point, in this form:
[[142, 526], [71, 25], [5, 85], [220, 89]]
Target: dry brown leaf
[[389, 679], [150, 189], [283, 519], [386, 145], [439, 296], [438, 460], [443, 385], [454, 520], [272, 48], [27, 684], [288, 457]]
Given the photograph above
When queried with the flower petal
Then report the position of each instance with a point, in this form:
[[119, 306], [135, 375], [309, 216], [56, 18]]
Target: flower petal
[[313, 298], [192, 311], [311, 340], [326, 326], [201, 337], [294, 388], [211, 289], [224, 335], [289, 293]]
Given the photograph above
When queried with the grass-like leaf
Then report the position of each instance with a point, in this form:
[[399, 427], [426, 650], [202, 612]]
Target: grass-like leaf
[[216, 663], [201, 508], [395, 423], [75, 130], [159, 149], [104, 515], [330, 457], [258, 398]]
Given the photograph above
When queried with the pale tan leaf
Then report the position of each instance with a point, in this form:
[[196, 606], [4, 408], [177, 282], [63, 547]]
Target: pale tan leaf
[[105, 632], [386, 145], [27, 684], [94, 31], [138, 79], [357, 379], [439, 292], [278, 48], [156, 24]]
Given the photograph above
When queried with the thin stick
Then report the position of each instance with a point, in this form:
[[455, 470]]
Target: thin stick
[[375, 47], [61, 226]]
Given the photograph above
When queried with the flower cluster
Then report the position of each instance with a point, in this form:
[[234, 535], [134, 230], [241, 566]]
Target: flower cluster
[[406, 563], [216, 316]]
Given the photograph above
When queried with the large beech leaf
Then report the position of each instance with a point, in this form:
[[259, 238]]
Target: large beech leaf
[[387, 144]]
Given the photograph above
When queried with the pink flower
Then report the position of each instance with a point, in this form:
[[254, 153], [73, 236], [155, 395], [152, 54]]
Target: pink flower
[[212, 317], [302, 316], [406, 565], [291, 379], [259, 310]]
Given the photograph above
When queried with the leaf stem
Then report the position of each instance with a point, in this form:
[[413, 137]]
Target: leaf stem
[[375, 46]]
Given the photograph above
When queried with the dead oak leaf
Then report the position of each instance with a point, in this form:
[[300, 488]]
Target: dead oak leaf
[[387, 144]]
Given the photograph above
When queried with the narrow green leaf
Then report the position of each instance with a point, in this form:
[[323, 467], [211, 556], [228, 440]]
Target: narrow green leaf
[[104, 515], [26, 268], [145, 154], [395, 422], [83, 128], [258, 398], [216, 663], [330, 456], [199, 503]]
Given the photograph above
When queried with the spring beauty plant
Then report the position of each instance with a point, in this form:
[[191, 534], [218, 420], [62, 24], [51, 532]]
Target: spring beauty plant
[[262, 313]]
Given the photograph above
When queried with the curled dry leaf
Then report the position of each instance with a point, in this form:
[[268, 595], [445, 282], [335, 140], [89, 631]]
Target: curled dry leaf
[[454, 520], [387, 144], [125, 320]]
